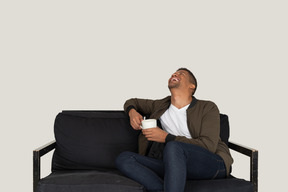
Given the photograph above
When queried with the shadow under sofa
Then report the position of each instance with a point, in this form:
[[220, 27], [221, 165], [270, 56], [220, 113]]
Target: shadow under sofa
[[87, 144]]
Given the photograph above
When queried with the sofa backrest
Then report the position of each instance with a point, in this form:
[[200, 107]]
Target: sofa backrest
[[91, 139], [224, 128]]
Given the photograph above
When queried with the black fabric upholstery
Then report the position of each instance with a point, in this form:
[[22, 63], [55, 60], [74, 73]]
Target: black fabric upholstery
[[224, 128], [113, 181], [91, 140], [219, 185], [87, 143], [88, 181]]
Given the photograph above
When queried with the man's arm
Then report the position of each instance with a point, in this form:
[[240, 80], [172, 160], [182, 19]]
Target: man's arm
[[132, 106], [144, 106], [135, 119], [155, 134]]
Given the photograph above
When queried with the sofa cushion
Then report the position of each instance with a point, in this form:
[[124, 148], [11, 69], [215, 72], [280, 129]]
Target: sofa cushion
[[87, 181], [219, 185], [91, 140]]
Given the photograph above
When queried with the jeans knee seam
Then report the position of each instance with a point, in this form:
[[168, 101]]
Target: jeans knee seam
[[216, 174]]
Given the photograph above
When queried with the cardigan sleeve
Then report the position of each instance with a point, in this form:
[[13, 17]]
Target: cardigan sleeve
[[144, 106]]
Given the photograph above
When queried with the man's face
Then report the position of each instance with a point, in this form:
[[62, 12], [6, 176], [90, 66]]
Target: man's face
[[179, 78]]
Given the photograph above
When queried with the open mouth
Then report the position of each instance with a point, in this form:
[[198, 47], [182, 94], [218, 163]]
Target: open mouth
[[175, 79]]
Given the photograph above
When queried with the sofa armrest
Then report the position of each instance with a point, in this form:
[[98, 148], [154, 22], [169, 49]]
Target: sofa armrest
[[37, 154], [253, 154]]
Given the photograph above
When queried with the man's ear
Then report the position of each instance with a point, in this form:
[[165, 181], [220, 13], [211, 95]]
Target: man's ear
[[192, 86]]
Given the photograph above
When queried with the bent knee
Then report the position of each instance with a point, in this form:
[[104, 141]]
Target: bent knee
[[123, 159], [173, 146], [173, 149]]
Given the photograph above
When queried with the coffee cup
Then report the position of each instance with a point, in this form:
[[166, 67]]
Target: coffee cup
[[148, 123]]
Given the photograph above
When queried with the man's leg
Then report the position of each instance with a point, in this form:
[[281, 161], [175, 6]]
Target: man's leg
[[146, 171], [186, 161]]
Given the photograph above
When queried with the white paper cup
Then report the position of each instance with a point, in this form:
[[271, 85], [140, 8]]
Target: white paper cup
[[149, 123]]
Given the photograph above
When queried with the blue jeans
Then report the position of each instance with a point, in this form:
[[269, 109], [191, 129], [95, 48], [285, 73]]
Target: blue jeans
[[181, 161]]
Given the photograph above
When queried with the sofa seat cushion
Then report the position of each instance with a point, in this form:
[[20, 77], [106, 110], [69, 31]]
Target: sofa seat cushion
[[87, 181], [113, 181], [219, 185]]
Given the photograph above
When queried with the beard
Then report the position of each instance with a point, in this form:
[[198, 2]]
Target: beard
[[175, 85]]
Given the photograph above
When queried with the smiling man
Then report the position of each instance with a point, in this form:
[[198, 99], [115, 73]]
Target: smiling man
[[185, 144]]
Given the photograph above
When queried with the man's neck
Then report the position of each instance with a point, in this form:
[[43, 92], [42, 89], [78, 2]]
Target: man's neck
[[180, 100]]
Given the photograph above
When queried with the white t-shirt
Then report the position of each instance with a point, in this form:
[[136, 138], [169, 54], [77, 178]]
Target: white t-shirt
[[174, 121]]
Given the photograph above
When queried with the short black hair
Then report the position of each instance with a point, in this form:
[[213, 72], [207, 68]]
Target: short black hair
[[192, 78]]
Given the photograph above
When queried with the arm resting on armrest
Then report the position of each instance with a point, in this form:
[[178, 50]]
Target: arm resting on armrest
[[37, 154], [253, 154]]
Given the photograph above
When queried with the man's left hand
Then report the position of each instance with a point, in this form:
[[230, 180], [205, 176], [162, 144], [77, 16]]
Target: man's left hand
[[155, 134]]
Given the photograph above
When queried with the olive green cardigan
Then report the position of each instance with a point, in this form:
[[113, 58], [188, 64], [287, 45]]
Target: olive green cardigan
[[203, 123]]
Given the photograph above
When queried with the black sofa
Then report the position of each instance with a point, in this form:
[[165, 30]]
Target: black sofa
[[87, 143]]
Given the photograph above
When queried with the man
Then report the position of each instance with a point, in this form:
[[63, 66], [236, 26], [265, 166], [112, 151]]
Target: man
[[188, 145]]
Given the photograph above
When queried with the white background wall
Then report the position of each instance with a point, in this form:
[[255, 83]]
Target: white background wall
[[57, 55]]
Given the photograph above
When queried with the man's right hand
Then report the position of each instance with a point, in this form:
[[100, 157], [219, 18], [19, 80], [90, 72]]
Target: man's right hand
[[135, 119]]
